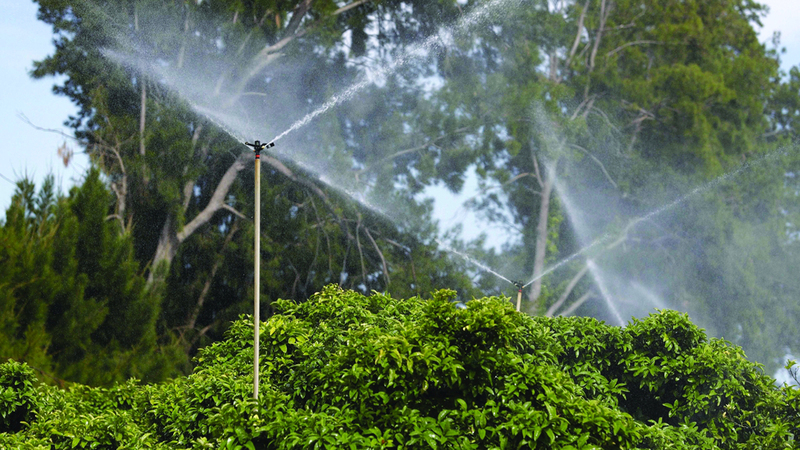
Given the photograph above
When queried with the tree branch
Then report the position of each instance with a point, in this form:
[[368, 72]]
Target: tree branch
[[536, 172], [568, 290], [577, 303], [577, 34], [192, 320], [413, 149], [360, 252], [599, 163], [217, 200], [380, 253], [628, 44], [233, 210], [269, 54], [588, 100], [202, 332], [288, 173]]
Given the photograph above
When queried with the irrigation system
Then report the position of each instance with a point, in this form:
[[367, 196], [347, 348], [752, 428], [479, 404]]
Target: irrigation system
[[519, 286], [257, 147]]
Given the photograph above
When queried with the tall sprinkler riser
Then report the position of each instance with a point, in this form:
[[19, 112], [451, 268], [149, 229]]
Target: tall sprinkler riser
[[257, 148], [519, 286]]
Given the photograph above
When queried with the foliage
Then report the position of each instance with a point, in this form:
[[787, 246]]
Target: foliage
[[182, 189], [619, 108], [17, 396], [347, 371], [629, 103], [72, 302]]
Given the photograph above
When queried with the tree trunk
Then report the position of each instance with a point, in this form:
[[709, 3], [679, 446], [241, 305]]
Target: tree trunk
[[142, 117], [541, 242]]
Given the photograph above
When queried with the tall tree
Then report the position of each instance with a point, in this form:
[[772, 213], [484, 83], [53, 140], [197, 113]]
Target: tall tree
[[625, 103], [74, 302], [181, 183]]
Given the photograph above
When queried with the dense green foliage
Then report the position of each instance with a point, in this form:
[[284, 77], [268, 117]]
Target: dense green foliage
[[347, 371], [73, 303]]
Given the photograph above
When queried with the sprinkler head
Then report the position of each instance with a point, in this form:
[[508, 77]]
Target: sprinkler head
[[258, 146], [518, 284]]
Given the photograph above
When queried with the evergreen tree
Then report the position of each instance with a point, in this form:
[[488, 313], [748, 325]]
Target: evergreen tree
[[74, 302]]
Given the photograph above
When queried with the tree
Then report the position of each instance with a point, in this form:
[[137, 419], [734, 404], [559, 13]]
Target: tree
[[345, 370], [625, 102], [581, 118], [74, 303], [181, 183]]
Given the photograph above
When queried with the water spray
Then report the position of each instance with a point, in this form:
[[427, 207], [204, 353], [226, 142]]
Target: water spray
[[257, 148]]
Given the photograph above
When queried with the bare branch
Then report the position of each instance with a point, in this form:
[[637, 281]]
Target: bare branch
[[182, 51], [588, 100], [604, 12], [568, 290], [414, 149], [541, 240], [380, 253], [602, 114], [628, 44], [599, 163], [536, 170], [202, 332], [577, 303], [117, 217], [360, 252], [189, 185], [577, 34], [25, 119], [269, 54], [311, 266], [287, 172], [776, 132], [217, 200], [324, 233], [142, 116], [234, 211]]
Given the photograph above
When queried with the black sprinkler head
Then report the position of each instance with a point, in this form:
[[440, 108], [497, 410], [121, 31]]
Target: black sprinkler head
[[518, 284], [258, 146]]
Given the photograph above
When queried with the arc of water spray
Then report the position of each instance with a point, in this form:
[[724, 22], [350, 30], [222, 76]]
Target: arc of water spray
[[475, 16], [696, 191], [473, 261], [569, 258]]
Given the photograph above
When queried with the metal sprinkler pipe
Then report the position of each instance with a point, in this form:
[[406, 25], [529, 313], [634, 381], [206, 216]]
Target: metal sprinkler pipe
[[519, 286], [257, 147]]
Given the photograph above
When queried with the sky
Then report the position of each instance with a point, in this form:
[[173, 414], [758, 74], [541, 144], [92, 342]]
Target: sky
[[27, 150]]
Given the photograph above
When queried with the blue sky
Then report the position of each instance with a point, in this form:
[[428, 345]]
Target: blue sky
[[27, 150]]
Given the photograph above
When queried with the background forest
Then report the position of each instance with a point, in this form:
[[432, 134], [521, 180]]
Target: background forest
[[579, 119]]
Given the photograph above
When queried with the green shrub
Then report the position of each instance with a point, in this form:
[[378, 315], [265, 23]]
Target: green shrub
[[17, 395], [347, 371]]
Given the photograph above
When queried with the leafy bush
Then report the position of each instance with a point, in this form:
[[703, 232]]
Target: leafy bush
[[17, 395], [347, 371]]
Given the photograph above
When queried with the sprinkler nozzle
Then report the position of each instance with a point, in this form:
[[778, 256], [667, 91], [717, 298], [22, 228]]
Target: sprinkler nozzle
[[258, 146], [518, 284]]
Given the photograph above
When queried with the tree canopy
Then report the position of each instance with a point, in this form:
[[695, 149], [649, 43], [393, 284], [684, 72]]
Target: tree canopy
[[578, 118]]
